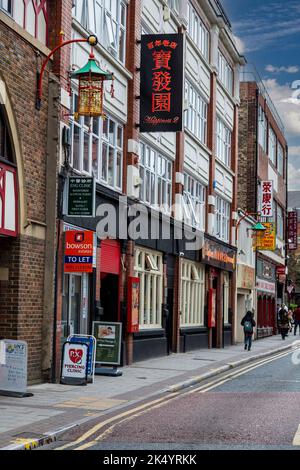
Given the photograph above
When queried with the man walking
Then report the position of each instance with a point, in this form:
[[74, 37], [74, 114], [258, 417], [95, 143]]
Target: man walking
[[297, 319], [248, 323]]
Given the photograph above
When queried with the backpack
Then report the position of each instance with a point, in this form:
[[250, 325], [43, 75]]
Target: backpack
[[248, 327]]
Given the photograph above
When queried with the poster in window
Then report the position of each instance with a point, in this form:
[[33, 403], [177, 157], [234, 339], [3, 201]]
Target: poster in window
[[133, 304], [161, 92]]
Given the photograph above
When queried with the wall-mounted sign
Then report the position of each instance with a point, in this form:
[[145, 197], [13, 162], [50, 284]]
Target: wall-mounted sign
[[266, 240], [266, 286], [281, 272], [8, 201], [267, 198], [161, 91], [13, 368], [79, 248], [211, 321], [108, 337], [133, 305], [292, 223], [218, 256], [74, 368], [81, 197], [245, 277]]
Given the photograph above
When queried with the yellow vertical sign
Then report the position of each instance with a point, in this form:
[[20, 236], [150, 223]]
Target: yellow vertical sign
[[266, 240]]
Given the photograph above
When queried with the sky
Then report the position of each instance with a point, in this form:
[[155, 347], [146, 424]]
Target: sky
[[268, 34]]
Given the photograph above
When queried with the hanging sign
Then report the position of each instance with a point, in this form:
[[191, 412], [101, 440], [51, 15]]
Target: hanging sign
[[267, 198], [108, 337], [74, 368], [133, 305], [266, 240], [79, 249], [292, 223], [81, 197], [161, 92], [211, 323], [90, 341]]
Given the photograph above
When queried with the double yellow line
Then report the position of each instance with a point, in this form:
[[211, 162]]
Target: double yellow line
[[154, 404]]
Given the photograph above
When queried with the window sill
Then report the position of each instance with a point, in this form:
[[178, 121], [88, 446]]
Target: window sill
[[204, 147], [223, 165]]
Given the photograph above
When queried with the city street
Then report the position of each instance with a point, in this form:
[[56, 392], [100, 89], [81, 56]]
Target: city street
[[255, 407]]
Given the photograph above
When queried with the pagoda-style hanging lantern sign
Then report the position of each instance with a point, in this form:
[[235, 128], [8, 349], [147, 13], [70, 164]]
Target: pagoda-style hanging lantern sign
[[91, 87]]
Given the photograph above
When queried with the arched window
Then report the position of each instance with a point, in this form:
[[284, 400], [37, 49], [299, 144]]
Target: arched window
[[5, 145]]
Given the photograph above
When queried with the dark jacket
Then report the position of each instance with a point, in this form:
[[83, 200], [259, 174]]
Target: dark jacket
[[297, 314], [283, 319], [248, 318]]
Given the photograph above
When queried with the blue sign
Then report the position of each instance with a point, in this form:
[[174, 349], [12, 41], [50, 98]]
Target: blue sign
[[90, 342], [79, 259]]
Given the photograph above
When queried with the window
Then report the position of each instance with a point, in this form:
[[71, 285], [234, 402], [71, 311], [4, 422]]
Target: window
[[192, 294], [198, 31], [149, 268], [279, 222], [6, 5], [196, 114], [280, 160], [262, 129], [225, 72], [272, 146], [106, 19], [97, 148], [32, 15], [222, 215], [5, 146], [223, 142], [194, 195], [226, 298], [174, 5], [156, 175]]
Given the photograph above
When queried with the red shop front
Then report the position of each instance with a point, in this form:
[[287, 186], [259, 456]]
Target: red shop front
[[266, 308]]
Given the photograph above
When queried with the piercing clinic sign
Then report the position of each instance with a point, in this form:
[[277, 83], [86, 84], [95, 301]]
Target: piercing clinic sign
[[161, 93]]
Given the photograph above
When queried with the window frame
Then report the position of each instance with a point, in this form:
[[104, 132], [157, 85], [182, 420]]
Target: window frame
[[151, 288], [262, 129], [224, 142], [222, 219], [225, 72], [196, 116], [192, 294], [280, 221], [6, 10], [280, 159], [198, 32], [272, 148], [151, 172], [194, 196]]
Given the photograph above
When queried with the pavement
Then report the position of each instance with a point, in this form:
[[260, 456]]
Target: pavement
[[27, 423]]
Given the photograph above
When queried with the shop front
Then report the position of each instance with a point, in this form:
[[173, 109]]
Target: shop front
[[266, 308], [245, 296], [220, 261]]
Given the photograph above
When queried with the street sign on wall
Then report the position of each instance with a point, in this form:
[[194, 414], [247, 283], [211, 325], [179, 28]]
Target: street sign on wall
[[267, 198], [292, 230], [161, 91], [79, 250], [81, 197], [266, 240]]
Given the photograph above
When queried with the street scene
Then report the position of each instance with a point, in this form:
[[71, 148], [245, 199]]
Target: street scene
[[149, 228]]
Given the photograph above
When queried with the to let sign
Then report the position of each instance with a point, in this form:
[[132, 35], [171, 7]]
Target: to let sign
[[81, 197], [161, 93], [292, 230], [267, 198], [79, 250]]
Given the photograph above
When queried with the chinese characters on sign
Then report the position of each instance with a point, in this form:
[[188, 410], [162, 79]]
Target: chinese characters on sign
[[266, 241], [292, 230], [267, 198], [161, 107]]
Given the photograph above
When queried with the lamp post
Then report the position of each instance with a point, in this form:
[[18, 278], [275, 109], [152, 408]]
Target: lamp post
[[90, 77]]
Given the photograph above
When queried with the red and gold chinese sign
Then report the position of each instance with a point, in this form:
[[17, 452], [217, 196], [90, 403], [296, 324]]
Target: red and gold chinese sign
[[161, 107], [292, 230], [267, 198]]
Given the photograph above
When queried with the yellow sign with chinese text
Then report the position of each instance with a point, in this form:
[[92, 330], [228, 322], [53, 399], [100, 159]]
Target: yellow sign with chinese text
[[265, 240]]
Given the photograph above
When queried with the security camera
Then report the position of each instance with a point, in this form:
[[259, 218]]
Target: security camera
[[181, 254]]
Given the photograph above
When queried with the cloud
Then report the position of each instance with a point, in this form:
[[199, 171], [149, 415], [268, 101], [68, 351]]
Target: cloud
[[294, 177], [241, 47], [291, 69], [287, 105]]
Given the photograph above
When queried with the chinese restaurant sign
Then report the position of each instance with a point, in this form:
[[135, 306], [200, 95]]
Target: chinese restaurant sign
[[267, 198], [292, 230], [218, 256], [266, 240], [161, 94], [79, 251]]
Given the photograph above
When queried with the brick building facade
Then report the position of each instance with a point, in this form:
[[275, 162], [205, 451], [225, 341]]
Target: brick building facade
[[263, 157]]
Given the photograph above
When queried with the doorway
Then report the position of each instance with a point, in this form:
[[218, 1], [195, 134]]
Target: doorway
[[75, 305], [109, 295]]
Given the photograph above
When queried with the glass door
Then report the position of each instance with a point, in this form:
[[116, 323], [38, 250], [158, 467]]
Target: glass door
[[75, 305]]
